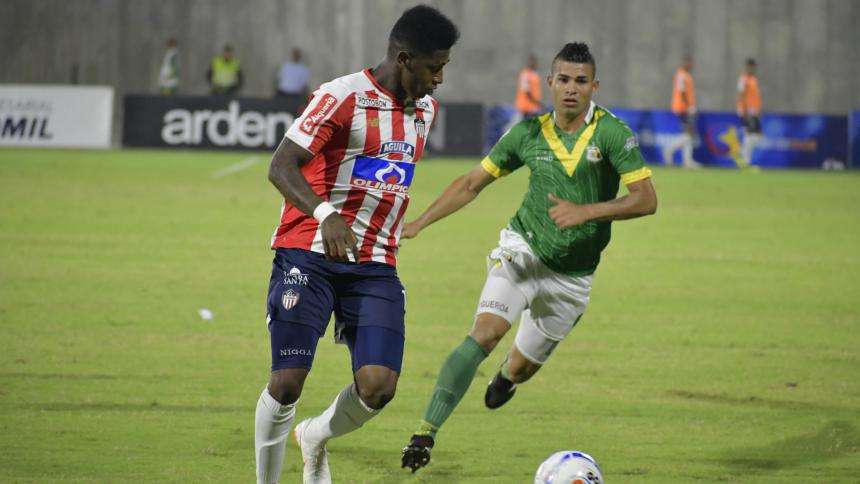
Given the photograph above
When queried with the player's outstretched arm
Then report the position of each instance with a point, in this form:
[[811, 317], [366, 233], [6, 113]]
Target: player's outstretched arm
[[641, 201], [285, 173], [458, 194]]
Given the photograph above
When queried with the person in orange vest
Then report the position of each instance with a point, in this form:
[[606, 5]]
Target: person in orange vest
[[684, 106], [528, 102], [749, 110]]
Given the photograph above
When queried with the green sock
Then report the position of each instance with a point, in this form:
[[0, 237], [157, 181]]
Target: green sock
[[454, 379]]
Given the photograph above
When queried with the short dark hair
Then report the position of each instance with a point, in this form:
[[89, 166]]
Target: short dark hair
[[422, 30], [750, 61], [576, 52]]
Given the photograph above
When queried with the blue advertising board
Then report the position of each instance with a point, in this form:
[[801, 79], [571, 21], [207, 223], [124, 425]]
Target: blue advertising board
[[788, 140], [854, 139]]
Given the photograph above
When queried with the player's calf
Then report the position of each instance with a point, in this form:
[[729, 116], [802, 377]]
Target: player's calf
[[519, 368], [488, 330], [515, 369]]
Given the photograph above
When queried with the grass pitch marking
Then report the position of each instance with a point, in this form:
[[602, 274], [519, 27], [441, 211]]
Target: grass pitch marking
[[235, 167]]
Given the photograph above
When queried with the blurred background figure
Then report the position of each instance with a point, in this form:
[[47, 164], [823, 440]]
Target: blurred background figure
[[749, 110], [293, 76], [528, 102], [225, 73], [168, 75], [684, 106]]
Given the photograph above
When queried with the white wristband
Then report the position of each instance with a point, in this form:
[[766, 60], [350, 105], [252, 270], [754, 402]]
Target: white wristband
[[323, 210]]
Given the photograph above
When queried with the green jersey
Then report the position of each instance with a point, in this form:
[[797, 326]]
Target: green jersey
[[583, 167]]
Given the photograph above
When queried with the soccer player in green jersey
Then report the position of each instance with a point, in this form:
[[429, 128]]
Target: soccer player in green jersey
[[541, 273]]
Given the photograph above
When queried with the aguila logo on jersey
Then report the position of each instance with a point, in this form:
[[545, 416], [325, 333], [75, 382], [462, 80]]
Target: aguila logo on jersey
[[381, 174], [295, 277], [289, 299], [397, 147], [318, 114]]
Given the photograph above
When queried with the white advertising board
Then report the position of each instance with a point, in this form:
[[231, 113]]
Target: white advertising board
[[56, 116]]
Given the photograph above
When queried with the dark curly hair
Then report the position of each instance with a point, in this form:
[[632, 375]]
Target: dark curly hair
[[422, 30]]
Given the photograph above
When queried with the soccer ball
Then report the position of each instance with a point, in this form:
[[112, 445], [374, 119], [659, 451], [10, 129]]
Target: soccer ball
[[569, 467]]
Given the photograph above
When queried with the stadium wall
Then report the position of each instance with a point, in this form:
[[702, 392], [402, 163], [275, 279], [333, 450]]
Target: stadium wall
[[808, 60]]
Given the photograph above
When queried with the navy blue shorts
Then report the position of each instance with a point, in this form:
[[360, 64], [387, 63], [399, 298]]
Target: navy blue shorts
[[752, 124], [305, 289], [686, 119]]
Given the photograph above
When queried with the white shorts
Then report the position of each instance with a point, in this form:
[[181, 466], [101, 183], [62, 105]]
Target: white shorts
[[520, 285]]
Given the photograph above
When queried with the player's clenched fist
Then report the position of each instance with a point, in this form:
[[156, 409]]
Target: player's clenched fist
[[410, 230], [566, 213], [338, 239]]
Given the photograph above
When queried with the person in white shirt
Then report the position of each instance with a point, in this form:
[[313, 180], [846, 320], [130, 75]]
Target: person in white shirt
[[293, 76], [168, 75]]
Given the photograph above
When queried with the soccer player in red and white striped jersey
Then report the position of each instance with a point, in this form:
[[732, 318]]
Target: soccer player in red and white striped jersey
[[344, 169], [365, 144]]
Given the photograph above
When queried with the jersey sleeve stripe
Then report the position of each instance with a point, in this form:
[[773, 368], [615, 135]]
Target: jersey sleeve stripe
[[492, 169], [636, 175]]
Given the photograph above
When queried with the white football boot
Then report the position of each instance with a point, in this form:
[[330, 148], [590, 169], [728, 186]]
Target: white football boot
[[314, 455]]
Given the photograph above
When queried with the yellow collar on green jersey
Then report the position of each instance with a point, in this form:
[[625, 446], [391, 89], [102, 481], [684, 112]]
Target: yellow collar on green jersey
[[569, 159]]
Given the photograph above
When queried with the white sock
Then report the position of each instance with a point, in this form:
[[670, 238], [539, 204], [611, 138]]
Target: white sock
[[272, 423], [346, 413], [750, 141], [670, 149], [687, 145]]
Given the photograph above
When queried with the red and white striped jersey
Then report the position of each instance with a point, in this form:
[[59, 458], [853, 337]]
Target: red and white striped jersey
[[366, 146]]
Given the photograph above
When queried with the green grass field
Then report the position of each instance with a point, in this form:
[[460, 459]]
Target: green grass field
[[722, 341]]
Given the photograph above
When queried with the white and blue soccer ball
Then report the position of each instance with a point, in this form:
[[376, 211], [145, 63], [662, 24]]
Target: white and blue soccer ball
[[569, 467]]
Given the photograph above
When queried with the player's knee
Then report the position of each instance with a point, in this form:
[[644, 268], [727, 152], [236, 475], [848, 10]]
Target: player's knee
[[376, 395], [285, 392], [376, 385], [488, 330], [286, 386]]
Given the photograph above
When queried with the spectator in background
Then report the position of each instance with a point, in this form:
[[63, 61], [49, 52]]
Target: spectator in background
[[168, 75], [293, 77], [528, 102], [684, 106], [749, 110], [225, 74]]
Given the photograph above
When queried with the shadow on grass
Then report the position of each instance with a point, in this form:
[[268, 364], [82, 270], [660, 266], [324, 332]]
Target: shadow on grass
[[78, 376], [129, 407], [755, 401], [835, 440], [387, 462]]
